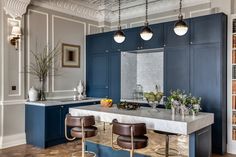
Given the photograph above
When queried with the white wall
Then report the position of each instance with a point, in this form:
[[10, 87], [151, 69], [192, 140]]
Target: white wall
[[12, 62], [47, 27]]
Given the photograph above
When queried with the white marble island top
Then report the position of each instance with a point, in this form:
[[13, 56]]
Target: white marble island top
[[161, 121], [54, 102]]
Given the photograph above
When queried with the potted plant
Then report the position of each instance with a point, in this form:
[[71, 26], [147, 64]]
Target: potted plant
[[42, 65], [182, 103]]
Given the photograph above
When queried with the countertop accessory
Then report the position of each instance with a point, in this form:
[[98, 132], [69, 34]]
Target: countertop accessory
[[106, 102], [75, 97], [128, 106], [80, 89], [33, 94]]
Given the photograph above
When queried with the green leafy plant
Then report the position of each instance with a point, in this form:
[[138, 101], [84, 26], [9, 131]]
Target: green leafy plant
[[178, 98], [152, 97]]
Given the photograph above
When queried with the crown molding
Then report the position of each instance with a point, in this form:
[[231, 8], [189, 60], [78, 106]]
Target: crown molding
[[108, 12], [16, 8], [155, 7], [72, 8]]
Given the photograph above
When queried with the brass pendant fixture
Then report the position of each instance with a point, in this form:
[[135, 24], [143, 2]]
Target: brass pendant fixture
[[146, 32], [119, 35], [181, 28]]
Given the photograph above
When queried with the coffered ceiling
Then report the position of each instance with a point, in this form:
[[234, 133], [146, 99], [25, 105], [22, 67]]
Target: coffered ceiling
[[106, 10]]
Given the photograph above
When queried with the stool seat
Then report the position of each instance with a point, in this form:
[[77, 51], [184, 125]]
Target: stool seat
[[139, 142], [165, 133], [88, 132]]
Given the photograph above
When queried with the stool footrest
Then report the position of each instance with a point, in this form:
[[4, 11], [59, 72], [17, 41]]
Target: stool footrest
[[172, 151]]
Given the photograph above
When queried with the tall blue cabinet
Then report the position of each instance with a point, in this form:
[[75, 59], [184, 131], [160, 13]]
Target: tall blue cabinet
[[195, 63]]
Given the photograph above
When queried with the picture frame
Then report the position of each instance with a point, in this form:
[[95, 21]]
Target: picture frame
[[70, 55]]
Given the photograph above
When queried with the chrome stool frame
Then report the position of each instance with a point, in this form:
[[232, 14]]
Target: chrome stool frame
[[167, 151], [84, 152]]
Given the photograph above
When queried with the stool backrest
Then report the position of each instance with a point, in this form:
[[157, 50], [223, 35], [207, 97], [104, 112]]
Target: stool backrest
[[76, 121], [124, 129]]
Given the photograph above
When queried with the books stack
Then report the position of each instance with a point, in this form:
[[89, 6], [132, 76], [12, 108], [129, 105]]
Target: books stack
[[234, 72], [234, 86], [234, 102], [234, 41], [234, 57], [234, 26], [234, 119], [234, 134]]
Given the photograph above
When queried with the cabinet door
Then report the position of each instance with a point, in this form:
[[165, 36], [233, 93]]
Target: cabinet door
[[114, 77], [53, 123], [97, 75], [207, 29], [157, 40], [171, 39], [207, 83], [176, 68], [99, 42], [133, 40]]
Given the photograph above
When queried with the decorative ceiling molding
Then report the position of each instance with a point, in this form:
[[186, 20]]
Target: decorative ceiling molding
[[16, 8], [106, 10]]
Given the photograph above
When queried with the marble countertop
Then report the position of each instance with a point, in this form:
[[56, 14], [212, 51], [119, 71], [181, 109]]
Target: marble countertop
[[162, 120], [55, 102]]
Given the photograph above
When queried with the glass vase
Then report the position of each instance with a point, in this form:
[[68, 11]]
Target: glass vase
[[42, 96]]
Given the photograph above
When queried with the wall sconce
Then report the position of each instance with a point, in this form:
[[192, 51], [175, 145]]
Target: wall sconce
[[15, 36]]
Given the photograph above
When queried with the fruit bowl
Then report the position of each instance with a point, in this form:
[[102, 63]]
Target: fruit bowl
[[106, 102]]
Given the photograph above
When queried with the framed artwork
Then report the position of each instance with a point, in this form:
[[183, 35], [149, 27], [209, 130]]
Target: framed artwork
[[70, 55]]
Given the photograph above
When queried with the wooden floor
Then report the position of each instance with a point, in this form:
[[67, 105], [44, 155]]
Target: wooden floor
[[73, 149], [64, 150]]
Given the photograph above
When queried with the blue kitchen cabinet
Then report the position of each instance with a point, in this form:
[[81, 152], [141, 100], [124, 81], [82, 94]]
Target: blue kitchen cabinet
[[115, 77], [97, 75], [171, 39], [208, 29], [176, 69], [103, 75], [44, 126], [99, 43], [132, 40], [208, 80], [53, 121]]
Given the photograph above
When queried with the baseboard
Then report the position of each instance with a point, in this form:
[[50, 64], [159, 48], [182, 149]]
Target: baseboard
[[231, 148], [12, 140]]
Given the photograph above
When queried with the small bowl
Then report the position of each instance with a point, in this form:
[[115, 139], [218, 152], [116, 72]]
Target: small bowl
[[105, 103]]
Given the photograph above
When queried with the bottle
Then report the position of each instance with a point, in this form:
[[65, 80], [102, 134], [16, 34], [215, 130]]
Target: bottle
[[75, 94]]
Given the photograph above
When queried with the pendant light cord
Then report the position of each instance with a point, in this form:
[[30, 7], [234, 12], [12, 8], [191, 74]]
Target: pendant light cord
[[180, 10], [119, 25], [146, 20]]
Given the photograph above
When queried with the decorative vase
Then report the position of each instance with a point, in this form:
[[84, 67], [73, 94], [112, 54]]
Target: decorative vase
[[153, 104], [80, 89], [42, 90], [33, 94], [173, 111]]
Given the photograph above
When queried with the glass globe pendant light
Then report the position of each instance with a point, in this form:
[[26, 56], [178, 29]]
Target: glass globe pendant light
[[181, 28], [146, 32], [119, 35]]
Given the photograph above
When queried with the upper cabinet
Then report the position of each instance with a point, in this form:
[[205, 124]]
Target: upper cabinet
[[171, 39], [207, 29], [99, 43]]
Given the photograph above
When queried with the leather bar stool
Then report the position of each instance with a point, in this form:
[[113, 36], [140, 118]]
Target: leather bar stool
[[81, 127], [167, 151], [130, 136]]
